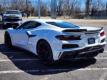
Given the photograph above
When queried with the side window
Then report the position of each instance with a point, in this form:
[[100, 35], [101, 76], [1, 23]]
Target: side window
[[33, 24], [24, 25], [29, 25]]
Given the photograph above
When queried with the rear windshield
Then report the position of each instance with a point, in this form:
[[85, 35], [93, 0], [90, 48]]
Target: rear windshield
[[63, 24]]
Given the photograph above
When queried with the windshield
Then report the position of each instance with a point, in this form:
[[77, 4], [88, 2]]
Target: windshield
[[63, 24], [13, 12]]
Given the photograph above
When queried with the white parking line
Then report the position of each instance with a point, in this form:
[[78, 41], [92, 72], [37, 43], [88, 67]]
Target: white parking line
[[11, 52], [23, 52], [105, 51], [30, 59], [46, 77], [6, 60], [50, 70]]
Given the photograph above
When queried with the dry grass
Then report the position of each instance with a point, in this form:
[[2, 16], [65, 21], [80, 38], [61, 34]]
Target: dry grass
[[89, 22], [81, 22]]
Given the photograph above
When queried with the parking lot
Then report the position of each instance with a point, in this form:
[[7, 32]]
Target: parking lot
[[16, 64]]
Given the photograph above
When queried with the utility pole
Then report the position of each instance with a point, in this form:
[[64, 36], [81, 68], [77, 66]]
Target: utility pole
[[39, 9], [88, 4], [27, 8], [53, 9], [26, 4]]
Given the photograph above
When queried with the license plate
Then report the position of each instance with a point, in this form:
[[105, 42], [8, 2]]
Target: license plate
[[91, 40]]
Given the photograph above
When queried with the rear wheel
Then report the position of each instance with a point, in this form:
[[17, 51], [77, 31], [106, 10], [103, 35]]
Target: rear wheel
[[4, 26], [45, 52], [102, 50], [8, 40]]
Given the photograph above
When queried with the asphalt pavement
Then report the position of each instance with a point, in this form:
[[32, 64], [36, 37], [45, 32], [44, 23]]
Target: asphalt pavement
[[17, 64]]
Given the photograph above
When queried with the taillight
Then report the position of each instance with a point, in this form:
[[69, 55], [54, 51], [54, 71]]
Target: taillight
[[60, 37], [102, 33], [64, 37]]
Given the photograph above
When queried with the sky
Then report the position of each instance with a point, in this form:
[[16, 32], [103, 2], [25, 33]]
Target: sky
[[35, 2]]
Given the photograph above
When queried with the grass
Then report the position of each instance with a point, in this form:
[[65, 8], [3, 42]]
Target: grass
[[80, 22]]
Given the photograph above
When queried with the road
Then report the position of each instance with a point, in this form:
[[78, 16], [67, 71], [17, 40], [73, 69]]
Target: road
[[16, 64]]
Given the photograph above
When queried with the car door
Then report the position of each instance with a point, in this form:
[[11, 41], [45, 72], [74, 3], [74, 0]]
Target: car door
[[21, 37]]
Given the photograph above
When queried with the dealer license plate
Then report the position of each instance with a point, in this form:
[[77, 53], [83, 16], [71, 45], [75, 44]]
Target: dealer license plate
[[91, 40]]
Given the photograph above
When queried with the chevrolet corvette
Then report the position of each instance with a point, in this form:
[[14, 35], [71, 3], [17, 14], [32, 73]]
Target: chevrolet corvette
[[53, 40]]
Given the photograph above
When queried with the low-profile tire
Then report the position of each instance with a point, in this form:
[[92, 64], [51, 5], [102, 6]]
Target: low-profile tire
[[45, 52], [7, 40], [4, 26], [101, 51]]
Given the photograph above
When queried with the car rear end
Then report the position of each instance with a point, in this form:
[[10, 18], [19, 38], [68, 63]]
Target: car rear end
[[76, 42]]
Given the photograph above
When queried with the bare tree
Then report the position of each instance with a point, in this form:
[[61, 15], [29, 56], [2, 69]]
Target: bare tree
[[66, 7], [59, 7], [97, 7], [44, 9], [74, 8], [106, 9]]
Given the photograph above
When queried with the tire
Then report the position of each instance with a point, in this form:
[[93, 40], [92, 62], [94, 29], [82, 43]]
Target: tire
[[44, 51], [101, 51], [5, 26], [7, 41]]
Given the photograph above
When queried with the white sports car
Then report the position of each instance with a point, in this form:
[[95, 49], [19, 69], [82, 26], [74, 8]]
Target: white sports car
[[53, 40]]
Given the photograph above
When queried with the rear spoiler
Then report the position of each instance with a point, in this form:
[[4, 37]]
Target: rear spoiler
[[96, 30], [82, 30], [75, 30]]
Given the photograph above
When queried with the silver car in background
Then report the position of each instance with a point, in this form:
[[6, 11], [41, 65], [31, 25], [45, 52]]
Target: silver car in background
[[12, 18]]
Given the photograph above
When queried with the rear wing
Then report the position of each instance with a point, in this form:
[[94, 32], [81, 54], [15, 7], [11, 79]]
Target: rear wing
[[82, 30]]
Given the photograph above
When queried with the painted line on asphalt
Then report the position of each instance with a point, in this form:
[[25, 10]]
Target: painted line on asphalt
[[6, 60], [46, 77], [105, 51], [12, 52], [98, 58], [29, 59], [24, 52], [50, 70]]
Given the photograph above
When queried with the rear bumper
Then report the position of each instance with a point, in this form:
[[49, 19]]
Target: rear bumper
[[88, 51]]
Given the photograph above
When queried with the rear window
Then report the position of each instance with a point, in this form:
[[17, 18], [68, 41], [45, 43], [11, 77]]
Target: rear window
[[13, 12], [63, 24]]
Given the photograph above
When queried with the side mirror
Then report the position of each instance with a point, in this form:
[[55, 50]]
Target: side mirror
[[30, 34]]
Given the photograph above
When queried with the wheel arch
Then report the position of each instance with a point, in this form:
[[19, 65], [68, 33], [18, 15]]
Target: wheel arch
[[8, 34], [42, 40]]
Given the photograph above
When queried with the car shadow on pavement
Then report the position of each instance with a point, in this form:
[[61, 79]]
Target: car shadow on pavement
[[35, 67], [1, 26]]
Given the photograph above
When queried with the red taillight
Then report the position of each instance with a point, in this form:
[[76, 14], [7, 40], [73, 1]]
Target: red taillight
[[63, 37], [102, 33]]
